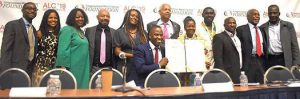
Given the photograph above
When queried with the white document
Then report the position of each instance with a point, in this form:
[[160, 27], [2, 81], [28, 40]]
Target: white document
[[218, 87], [28, 92], [185, 56]]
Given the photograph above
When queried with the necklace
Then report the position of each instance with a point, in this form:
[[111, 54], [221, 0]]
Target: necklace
[[81, 35]]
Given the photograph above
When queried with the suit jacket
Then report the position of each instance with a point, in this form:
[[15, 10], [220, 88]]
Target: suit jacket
[[90, 35], [288, 41], [176, 28], [15, 47], [226, 56], [244, 34], [144, 61]]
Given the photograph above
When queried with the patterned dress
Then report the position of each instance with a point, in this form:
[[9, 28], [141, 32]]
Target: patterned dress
[[46, 55]]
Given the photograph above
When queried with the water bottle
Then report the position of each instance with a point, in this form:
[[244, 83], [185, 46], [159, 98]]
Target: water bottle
[[54, 85], [197, 80], [98, 82], [243, 79]]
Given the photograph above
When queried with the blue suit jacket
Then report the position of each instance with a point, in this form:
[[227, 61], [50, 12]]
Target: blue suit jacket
[[144, 61]]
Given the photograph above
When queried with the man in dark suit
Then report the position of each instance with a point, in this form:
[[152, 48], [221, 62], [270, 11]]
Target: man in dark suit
[[252, 47], [170, 28], [96, 45], [18, 48], [147, 56], [282, 44], [227, 50]]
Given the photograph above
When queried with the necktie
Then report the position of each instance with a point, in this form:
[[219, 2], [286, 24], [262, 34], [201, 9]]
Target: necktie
[[103, 47], [156, 55], [31, 42], [166, 34], [258, 46]]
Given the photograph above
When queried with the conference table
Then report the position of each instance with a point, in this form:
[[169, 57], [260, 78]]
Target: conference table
[[250, 92]]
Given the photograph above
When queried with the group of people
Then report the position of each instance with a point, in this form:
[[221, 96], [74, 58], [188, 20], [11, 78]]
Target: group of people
[[83, 52]]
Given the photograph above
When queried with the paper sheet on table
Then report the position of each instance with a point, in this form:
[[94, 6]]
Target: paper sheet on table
[[218, 87], [294, 84], [28, 92], [176, 51]]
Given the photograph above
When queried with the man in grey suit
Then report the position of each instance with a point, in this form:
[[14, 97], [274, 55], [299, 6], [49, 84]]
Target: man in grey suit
[[18, 48], [170, 28], [227, 50], [282, 44], [98, 44]]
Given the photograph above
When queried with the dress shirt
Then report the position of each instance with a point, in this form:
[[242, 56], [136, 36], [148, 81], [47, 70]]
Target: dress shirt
[[169, 27], [237, 44], [108, 53], [274, 38], [153, 51], [253, 35], [27, 27]]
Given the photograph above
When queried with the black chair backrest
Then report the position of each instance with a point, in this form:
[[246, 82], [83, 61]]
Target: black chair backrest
[[278, 73], [14, 77], [67, 79], [296, 72], [117, 78], [215, 76], [162, 78]]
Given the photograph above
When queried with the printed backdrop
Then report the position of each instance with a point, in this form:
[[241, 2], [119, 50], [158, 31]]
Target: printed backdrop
[[290, 10]]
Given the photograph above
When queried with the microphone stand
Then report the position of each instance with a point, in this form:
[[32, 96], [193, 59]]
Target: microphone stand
[[124, 88]]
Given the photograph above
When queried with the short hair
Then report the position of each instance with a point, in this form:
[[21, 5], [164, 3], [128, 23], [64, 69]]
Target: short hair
[[44, 28], [71, 17], [207, 8], [250, 11], [163, 5], [226, 19], [187, 19], [25, 4], [154, 26], [273, 6]]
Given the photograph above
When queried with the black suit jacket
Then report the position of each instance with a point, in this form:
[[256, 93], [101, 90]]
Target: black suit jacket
[[226, 56], [15, 47], [90, 35], [176, 28], [244, 34], [144, 61], [288, 41]]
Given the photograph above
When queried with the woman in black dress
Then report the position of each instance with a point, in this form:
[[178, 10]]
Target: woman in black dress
[[130, 34], [47, 45]]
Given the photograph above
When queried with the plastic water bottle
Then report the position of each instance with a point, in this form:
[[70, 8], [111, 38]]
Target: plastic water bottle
[[54, 85], [197, 80], [243, 79], [98, 82]]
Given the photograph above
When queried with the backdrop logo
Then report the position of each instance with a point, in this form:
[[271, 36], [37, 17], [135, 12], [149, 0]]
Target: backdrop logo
[[293, 15], [199, 12], [1, 28], [18, 5], [265, 14], [155, 10], [56, 6], [96, 8], [140, 8], [180, 11], [235, 13]]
